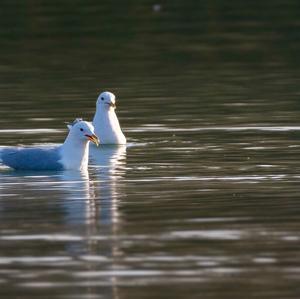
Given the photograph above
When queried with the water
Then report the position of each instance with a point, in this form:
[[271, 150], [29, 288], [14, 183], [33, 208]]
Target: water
[[204, 200]]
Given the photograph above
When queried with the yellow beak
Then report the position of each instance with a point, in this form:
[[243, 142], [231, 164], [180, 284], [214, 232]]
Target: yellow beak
[[94, 139], [113, 105]]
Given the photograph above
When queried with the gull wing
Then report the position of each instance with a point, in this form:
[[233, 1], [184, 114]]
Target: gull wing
[[32, 158]]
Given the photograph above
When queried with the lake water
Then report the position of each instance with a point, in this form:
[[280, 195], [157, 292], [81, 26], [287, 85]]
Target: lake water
[[204, 200]]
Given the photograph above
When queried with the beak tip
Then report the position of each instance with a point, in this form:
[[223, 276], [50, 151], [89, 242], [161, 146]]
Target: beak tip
[[94, 138]]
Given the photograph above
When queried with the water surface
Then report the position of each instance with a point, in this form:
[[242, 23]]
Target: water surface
[[204, 200]]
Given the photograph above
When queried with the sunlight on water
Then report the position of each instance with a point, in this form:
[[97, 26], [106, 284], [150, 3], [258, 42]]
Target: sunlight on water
[[30, 131], [204, 199], [158, 128]]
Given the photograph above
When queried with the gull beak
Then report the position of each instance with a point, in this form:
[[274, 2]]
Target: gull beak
[[93, 138], [113, 105]]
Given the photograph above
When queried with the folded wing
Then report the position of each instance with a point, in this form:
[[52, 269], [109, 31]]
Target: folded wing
[[32, 158]]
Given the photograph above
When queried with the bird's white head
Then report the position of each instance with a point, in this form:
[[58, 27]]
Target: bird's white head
[[83, 130], [106, 100]]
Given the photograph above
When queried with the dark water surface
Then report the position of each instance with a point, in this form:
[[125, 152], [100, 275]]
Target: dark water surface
[[204, 201]]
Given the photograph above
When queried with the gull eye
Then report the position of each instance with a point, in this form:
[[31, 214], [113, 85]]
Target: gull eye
[[102, 98], [81, 129]]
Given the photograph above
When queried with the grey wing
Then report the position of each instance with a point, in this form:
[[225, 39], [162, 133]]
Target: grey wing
[[32, 158]]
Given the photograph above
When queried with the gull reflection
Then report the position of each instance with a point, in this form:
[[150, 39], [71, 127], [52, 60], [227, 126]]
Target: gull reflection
[[93, 197], [78, 203], [110, 158], [109, 167]]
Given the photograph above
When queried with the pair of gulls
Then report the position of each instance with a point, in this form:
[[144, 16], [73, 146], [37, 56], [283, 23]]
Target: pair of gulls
[[73, 154]]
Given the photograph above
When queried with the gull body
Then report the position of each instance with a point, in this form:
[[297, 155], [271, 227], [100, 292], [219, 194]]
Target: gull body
[[106, 122], [71, 155]]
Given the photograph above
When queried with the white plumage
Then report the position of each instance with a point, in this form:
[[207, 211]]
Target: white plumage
[[105, 121], [72, 154]]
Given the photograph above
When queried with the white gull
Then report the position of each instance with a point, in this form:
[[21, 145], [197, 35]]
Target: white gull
[[71, 155], [106, 122]]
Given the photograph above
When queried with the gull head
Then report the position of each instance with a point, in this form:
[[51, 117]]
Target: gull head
[[83, 130], [106, 100]]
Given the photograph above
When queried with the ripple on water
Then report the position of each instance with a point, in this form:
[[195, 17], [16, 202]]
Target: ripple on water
[[163, 128], [30, 131], [52, 238], [34, 259], [207, 235]]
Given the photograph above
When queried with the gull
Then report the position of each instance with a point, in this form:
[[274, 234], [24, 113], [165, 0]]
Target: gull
[[71, 155], [106, 122]]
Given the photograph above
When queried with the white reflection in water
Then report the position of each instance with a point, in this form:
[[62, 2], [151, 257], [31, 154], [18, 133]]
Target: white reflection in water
[[77, 197], [94, 197], [109, 164]]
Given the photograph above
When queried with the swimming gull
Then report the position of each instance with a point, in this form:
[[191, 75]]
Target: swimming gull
[[72, 154], [106, 122]]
